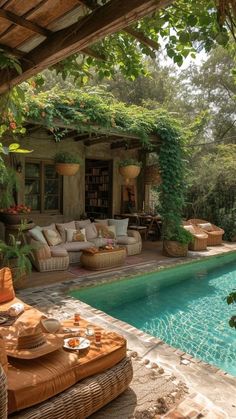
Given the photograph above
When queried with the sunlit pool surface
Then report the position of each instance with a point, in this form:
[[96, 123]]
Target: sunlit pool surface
[[184, 306]]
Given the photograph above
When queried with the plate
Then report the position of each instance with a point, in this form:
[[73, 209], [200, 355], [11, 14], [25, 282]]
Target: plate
[[3, 320], [84, 343]]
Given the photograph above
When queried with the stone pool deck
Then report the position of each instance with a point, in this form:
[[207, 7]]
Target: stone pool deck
[[211, 392]]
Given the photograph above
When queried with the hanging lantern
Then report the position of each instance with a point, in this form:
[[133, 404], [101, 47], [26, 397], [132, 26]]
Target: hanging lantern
[[152, 175]]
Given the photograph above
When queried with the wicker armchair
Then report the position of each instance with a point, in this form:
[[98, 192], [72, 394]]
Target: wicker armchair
[[79, 401], [199, 237], [214, 235]]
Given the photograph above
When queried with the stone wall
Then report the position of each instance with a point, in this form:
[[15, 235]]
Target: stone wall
[[44, 147]]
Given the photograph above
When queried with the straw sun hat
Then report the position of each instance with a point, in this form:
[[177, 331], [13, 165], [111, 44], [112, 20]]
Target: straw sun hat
[[29, 342]]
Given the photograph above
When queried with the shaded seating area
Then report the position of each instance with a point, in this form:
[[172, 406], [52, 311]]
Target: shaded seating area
[[214, 233]]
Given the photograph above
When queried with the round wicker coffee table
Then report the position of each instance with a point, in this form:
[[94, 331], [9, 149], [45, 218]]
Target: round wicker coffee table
[[104, 259]]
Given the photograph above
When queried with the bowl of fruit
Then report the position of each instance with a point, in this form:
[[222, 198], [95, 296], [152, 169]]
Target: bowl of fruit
[[15, 214]]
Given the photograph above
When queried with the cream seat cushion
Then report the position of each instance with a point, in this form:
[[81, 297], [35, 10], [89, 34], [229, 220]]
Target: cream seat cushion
[[63, 227], [126, 240]]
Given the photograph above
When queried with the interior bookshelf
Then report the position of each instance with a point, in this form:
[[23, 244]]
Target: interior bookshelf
[[98, 188]]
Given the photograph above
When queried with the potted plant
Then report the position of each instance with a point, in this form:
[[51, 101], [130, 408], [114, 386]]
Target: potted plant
[[129, 168], [15, 255], [15, 214], [175, 241], [67, 164]]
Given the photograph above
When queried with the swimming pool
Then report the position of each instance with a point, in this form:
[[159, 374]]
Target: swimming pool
[[184, 306]]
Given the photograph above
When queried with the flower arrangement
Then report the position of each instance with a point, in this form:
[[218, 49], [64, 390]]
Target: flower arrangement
[[16, 209]]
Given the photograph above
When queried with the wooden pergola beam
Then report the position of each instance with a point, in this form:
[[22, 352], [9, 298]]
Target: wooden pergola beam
[[12, 51], [142, 38], [105, 20], [21, 21]]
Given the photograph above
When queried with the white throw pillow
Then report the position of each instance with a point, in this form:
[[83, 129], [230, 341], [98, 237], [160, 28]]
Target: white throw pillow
[[206, 226], [37, 234], [189, 228], [121, 226]]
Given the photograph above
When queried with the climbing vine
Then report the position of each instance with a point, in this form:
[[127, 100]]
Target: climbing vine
[[93, 109]]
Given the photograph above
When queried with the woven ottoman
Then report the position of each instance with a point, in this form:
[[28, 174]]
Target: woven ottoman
[[104, 259]]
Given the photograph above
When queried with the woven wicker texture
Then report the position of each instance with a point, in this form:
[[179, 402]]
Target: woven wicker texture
[[84, 398], [103, 260], [214, 236], [3, 394], [200, 238], [53, 264]]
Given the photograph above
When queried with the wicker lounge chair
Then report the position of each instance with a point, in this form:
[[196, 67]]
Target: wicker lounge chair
[[79, 401], [214, 233], [199, 237]]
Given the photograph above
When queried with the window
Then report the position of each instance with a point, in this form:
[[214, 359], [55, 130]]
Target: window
[[43, 186]]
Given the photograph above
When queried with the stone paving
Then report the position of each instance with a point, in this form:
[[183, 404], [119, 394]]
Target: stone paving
[[212, 392]]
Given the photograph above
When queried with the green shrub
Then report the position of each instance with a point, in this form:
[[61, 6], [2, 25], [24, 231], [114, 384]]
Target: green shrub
[[65, 157], [129, 162]]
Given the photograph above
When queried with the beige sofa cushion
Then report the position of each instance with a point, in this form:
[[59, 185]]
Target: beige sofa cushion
[[82, 223], [125, 240], [63, 227], [91, 231], [58, 253], [76, 246], [52, 236]]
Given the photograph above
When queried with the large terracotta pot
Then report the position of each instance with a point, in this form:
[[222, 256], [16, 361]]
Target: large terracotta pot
[[152, 175], [130, 172], [67, 169], [174, 249]]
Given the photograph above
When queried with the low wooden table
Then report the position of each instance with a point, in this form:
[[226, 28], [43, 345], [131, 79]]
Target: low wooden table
[[104, 259]]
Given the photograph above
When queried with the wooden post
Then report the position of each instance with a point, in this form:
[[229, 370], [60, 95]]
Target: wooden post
[[141, 196]]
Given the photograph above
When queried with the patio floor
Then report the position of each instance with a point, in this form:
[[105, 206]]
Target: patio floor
[[150, 258], [210, 392]]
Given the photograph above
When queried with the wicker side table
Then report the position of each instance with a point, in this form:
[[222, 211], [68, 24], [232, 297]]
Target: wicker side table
[[104, 259]]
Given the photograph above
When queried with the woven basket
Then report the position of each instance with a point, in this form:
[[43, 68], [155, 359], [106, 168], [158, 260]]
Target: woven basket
[[130, 172], [67, 169], [174, 249], [152, 175]]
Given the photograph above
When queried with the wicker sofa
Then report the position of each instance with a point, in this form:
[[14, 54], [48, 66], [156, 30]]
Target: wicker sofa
[[85, 392], [58, 257]]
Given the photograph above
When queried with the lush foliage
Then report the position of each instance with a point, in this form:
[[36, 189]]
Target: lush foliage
[[96, 111], [129, 162], [211, 187], [184, 28], [66, 157], [231, 299], [18, 251]]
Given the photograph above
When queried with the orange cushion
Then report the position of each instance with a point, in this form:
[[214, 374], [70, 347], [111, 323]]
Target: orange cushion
[[3, 355], [30, 382], [7, 292]]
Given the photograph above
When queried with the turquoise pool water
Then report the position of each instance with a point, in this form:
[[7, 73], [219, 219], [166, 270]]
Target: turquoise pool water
[[184, 306]]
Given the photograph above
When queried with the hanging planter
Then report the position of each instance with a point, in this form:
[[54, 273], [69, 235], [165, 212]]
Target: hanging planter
[[152, 175], [130, 168], [66, 164]]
